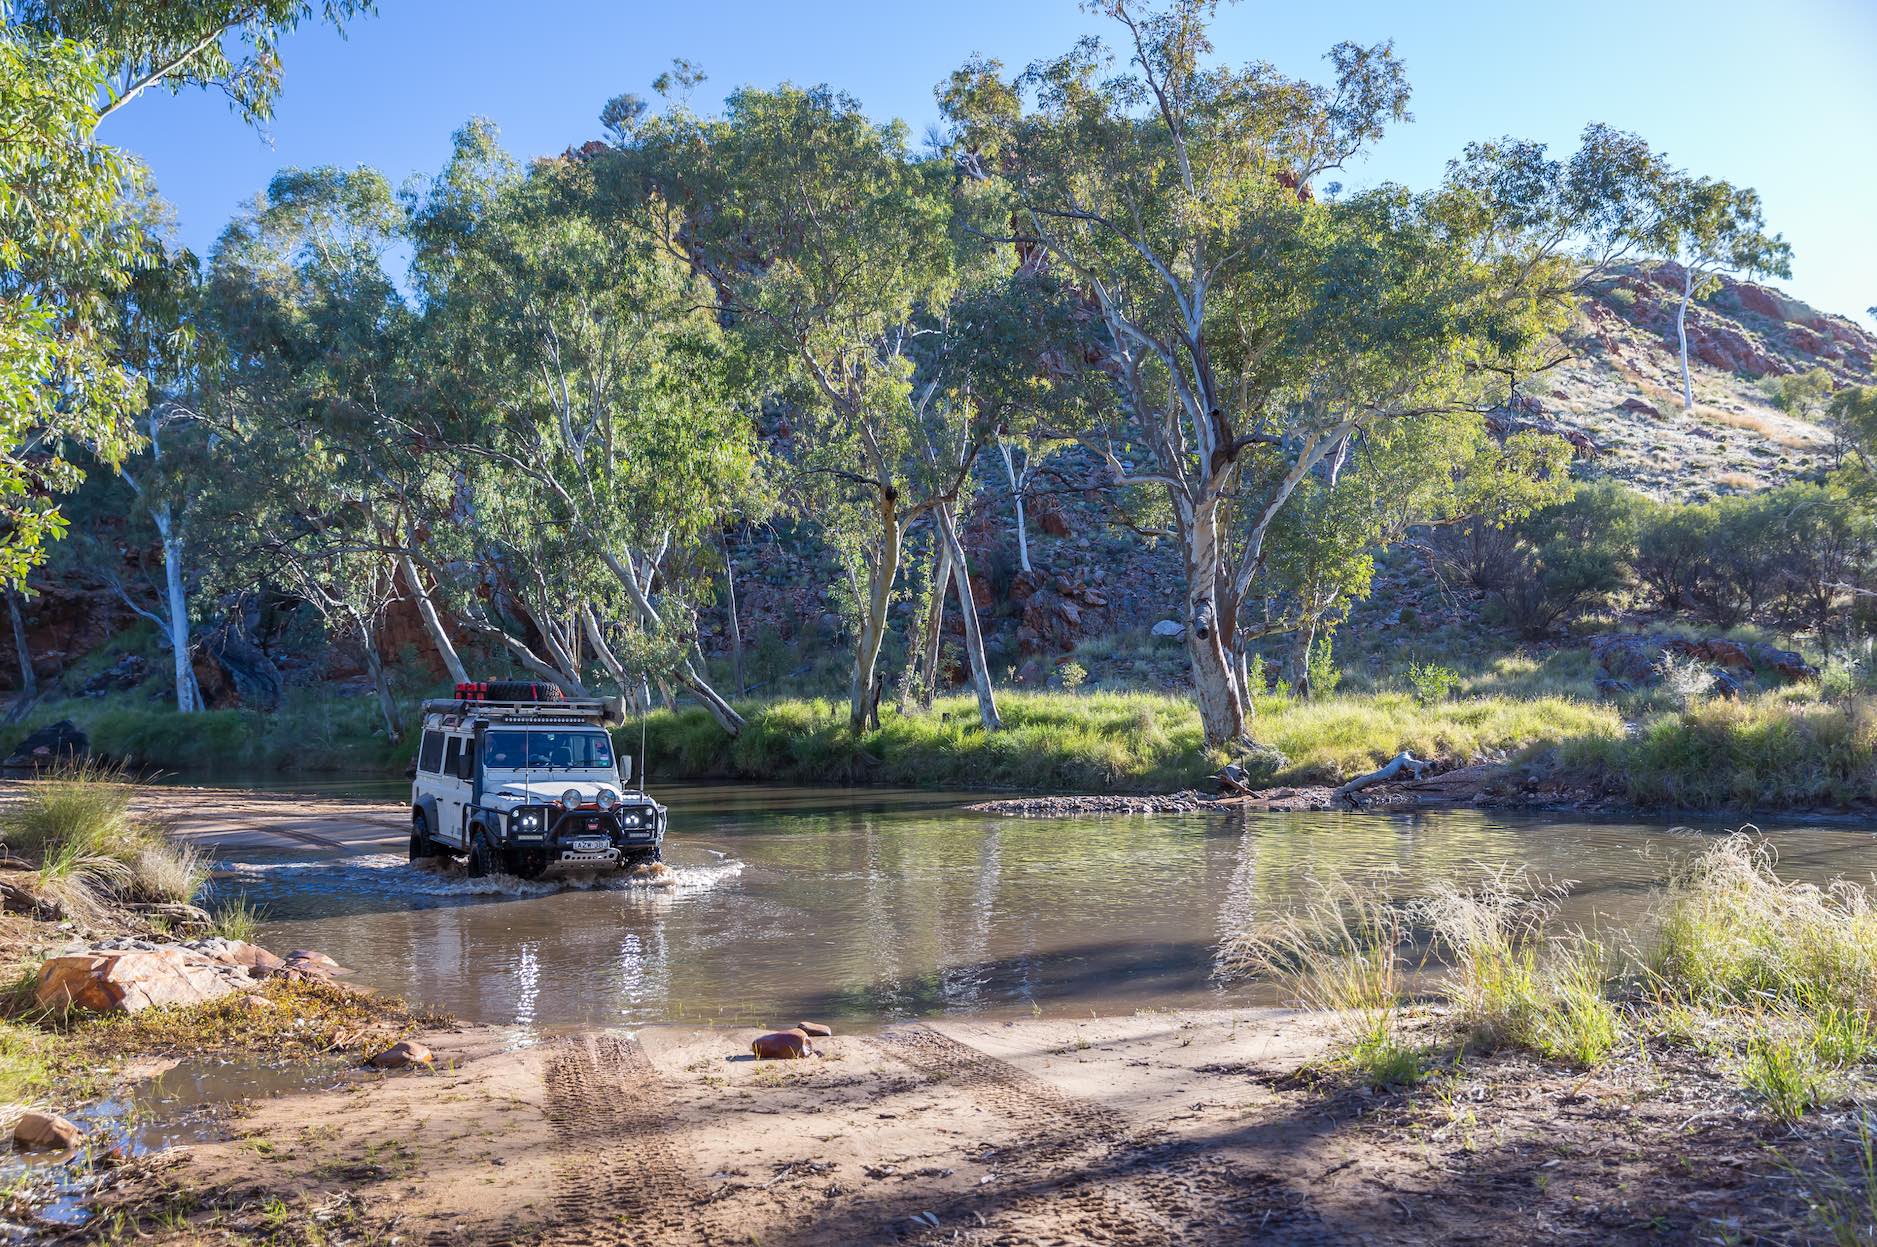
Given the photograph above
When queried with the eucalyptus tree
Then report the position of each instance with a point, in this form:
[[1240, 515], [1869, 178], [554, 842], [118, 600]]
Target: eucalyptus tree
[[71, 232], [310, 399], [1250, 326], [600, 400], [830, 247], [161, 342], [73, 221], [228, 46], [1710, 227]]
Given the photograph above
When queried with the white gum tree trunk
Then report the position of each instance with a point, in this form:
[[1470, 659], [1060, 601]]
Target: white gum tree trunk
[[967, 606]]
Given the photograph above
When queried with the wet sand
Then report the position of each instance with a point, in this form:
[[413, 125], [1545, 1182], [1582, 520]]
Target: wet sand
[[230, 820]]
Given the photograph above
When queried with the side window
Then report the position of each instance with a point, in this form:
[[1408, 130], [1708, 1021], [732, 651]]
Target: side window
[[430, 758], [469, 759], [453, 756]]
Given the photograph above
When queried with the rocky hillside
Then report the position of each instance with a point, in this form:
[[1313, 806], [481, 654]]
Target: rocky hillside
[[1622, 394]]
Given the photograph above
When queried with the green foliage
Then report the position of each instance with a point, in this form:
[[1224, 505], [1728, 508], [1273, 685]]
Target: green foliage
[[71, 231], [75, 214], [1322, 673], [1431, 682], [1072, 674], [1567, 558]]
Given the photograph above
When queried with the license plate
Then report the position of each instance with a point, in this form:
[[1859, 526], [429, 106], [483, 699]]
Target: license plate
[[592, 844]]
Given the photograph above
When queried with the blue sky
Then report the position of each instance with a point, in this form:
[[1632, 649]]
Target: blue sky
[[1782, 97]]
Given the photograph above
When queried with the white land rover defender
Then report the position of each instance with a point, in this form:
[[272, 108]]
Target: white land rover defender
[[519, 780]]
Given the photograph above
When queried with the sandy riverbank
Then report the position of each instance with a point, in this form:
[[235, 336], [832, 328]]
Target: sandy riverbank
[[1160, 1128]]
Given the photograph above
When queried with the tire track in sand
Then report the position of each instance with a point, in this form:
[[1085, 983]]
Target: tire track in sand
[[620, 1174], [1080, 1173]]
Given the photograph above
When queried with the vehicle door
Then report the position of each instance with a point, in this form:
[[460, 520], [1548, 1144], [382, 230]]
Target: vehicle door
[[453, 793]]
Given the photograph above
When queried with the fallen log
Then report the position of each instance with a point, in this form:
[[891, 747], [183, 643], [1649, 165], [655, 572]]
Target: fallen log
[[1403, 763]]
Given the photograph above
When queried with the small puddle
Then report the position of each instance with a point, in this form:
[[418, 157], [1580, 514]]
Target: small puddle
[[191, 1102]]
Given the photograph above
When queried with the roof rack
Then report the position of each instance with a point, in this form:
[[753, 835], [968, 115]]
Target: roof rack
[[610, 711]]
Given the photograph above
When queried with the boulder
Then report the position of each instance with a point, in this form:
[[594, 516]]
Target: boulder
[[126, 673], [402, 1055], [814, 1030], [789, 1045], [1169, 629], [1055, 523], [36, 1131], [1640, 407], [129, 980], [251, 957], [56, 744], [232, 668]]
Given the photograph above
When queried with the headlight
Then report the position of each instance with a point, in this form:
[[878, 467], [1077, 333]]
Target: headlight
[[608, 798], [630, 820], [528, 822], [571, 798]]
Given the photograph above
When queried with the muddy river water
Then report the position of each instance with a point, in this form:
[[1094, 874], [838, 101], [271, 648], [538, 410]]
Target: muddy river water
[[866, 907]]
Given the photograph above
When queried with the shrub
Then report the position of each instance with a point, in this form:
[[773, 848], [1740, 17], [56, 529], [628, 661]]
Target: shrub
[[1568, 557], [1766, 752], [1072, 674], [1687, 682], [1320, 670], [1432, 682]]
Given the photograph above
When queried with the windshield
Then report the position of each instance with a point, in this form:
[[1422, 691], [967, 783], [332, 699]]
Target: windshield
[[548, 751]]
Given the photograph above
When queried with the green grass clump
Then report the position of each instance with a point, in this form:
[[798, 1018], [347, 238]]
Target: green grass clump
[[25, 1071], [237, 920], [311, 731], [1344, 952], [1786, 1073], [90, 847], [1058, 741], [1778, 750], [1514, 984], [1729, 932]]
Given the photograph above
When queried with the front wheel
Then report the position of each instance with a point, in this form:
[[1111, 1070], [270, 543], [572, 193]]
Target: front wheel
[[421, 846], [481, 856]]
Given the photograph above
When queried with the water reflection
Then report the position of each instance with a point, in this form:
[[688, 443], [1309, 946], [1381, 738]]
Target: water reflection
[[866, 907]]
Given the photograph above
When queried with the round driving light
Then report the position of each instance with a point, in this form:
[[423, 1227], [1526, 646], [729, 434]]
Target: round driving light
[[570, 798], [608, 798]]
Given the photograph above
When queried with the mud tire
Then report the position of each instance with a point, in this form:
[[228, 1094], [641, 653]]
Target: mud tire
[[482, 859], [422, 847]]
